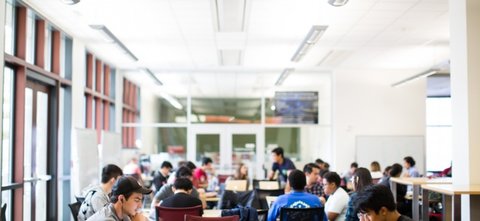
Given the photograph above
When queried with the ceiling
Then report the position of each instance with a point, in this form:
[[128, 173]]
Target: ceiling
[[238, 48]]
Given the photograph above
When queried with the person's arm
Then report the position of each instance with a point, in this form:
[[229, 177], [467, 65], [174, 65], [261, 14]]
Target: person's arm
[[98, 201], [271, 173], [332, 216], [273, 212]]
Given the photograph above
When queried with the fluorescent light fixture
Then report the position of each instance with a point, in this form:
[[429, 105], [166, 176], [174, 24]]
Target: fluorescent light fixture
[[107, 34], [337, 3], [417, 76], [284, 76], [311, 39], [172, 100], [70, 2], [149, 72]]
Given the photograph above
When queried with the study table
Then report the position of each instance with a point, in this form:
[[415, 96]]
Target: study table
[[416, 183], [451, 198]]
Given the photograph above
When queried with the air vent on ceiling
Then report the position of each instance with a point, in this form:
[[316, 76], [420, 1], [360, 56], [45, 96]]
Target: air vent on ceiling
[[230, 15]]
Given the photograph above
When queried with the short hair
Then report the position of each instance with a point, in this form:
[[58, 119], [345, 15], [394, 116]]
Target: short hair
[[278, 151], [362, 179], [386, 171], [166, 164], [110, 171], [375, 166], [183, 184], [183, 172], [191, 165], [326, 165], [297, 180], [354, 164], [323, 172], [308, 168], [396, 170], [373, 198], [332, 177], [319, 161], [409, 160], [206, 160]]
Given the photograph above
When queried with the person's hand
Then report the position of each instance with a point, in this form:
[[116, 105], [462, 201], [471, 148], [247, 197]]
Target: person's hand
[[323, 200], [138, 217]]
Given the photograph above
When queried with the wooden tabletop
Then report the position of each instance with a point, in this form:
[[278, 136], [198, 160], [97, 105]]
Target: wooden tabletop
[[421, 180], [450, 189]]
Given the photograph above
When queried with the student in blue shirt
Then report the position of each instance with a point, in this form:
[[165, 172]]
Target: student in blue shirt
[[298, 198], [280, 163]]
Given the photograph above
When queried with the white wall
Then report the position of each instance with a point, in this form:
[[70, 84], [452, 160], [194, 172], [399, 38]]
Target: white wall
[[366, 104], [149, 113]]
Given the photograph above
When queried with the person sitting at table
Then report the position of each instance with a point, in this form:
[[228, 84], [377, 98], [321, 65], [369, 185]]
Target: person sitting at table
[[200, 174], [402, 204], [409, 164], [376, 203], [361, 179], [312, 172], [126, 202], [182, 197], [376, 171], [241, 173], [298, 198], [336, 205], [160, 176]]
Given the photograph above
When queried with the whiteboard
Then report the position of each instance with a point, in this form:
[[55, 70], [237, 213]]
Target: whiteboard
[[388, 150], [111, 149], [85, 161]]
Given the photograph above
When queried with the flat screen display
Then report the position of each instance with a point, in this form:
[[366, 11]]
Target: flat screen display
[[297, 107]]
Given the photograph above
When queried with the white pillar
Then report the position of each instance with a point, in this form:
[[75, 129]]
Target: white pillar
[[465, 75], [2, 64]]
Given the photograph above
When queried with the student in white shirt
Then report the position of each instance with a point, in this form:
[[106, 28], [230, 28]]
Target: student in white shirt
[[336, 205]]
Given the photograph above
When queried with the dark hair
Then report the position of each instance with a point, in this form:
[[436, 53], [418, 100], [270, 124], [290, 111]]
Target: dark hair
[[396, 170], [409, 160], [308, 168], [361, 179], [190, 165], [183, 184], [332, 177], [238, 173], [206, 160], [166, 164], [323, 172], [354, 164], [183, 172], [319, 161], [114, 198], [110, 171], [386, 172], [326, 165], [373, 198], [297, 180], [278, 151]]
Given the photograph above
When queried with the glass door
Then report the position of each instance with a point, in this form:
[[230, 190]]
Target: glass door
[[228, 146], [36, 151]]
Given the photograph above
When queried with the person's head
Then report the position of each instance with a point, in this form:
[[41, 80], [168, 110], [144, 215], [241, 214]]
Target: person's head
[[184, 172], [110, 173], [396, 170], [353, 167], [242, 172], [166, 167], [361, 179], [376, 202], [134, 160], [320, 163], [190, 165], [375, 166], [277, 154], [312, 172], [408, 162], [331, 181], [326, 166], [386, 172], [183, 184], [128, 194], [207, 163], [297, 180]]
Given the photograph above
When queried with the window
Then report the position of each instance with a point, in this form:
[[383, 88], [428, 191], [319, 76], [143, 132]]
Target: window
[[439, 133], [131, 114], [31, 37], [286, 137], [226, 110], [10, 27]]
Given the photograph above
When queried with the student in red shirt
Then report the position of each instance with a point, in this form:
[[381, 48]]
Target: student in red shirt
[[200, 174]]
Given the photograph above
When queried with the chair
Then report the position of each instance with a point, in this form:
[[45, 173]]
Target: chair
[[302, 214], [199, 218], [262, 214], [266, 184], [176, 214], [4, 215], [261, 197], [74, 208], [80, 198], [236, 185]]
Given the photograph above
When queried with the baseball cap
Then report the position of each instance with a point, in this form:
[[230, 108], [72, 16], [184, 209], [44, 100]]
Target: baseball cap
[[128, 184]]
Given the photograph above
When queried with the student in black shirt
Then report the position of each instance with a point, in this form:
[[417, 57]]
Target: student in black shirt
[[375, 203], [182, 198], [160, 177]]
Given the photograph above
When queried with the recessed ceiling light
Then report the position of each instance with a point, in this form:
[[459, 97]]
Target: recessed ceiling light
[[337, 3]]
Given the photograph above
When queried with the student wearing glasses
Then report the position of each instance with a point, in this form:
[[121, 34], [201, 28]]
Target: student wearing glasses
[[376, 203]]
